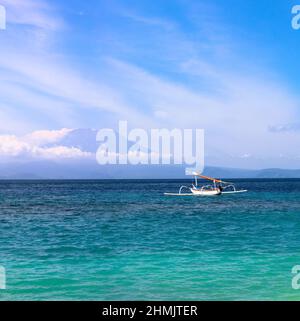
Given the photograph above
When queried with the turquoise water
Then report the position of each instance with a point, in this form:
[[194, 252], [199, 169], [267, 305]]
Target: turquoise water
[[124, 240]]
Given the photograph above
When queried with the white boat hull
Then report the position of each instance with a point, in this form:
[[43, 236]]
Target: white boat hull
[[192, 194], [206, 192]]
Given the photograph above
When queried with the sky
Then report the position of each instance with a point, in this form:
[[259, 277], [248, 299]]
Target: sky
[[230, 67]]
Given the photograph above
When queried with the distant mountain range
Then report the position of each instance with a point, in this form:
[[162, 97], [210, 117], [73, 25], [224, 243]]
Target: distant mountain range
[[246, 173], [53, 155], [88, 169]]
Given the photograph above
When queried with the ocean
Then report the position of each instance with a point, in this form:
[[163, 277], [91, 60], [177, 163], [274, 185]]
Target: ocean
[[125, 240]]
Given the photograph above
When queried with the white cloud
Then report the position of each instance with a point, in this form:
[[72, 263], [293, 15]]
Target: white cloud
[[42, 137], [32, 146], [11, 146], [60, 152]]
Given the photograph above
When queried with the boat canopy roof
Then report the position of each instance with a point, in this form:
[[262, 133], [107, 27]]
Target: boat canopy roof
[[210, 178]]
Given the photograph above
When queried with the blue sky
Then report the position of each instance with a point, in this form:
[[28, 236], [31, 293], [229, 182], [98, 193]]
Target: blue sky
[[228, 66]]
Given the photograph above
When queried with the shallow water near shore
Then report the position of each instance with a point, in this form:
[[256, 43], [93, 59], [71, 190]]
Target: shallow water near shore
[[125, 240]]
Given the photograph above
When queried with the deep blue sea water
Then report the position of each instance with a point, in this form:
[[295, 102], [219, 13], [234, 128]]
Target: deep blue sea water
[[125, 240]]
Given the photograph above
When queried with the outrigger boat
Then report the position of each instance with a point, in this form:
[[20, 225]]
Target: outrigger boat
[[217, 188]]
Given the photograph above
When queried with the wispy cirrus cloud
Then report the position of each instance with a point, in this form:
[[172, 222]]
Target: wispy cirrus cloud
[[285, 128], [37, 77], [184, 70], [32, 13], [235, 113], [148, 21]]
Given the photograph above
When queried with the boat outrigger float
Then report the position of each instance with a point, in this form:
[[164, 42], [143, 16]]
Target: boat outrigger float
[[217, 188]]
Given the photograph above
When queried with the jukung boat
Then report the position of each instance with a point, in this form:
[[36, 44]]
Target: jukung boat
[[217, 187]]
